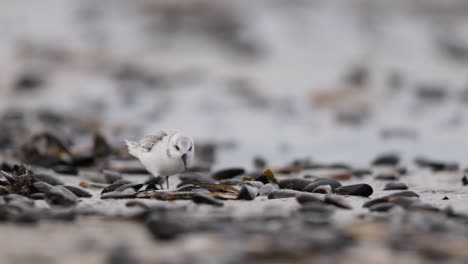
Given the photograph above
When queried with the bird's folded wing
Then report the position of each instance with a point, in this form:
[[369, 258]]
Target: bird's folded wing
[[147, 143]]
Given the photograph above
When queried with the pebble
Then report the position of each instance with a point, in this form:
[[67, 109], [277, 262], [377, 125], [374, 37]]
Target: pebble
[[66, 169], [231, 182], [163, 228], [294, 184], [228, 173], [256, 184], [386, 160], [134, 186], [395, 186], [381, 207], [52, 180], [386, 177], [323, 189], [361, 172], [112, 176], [391, 197], [363, 189], [278, 194], [259, 162], [322, 181], [57, 195], [118, 195], [337, 201], [247, 192], [121, 254], [267, 189], [194, 178], [318, 208], [79, 192], [306, 198], [83, 160], [436, 166], [200, 198], [112, 187]]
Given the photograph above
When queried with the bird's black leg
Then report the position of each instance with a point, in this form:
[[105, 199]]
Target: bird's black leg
[[167, 182], [160, 184]]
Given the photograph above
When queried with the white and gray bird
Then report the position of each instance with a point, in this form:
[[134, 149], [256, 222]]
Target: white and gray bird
[[164, 153]]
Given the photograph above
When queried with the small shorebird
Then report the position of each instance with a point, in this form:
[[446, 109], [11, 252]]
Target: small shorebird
[[164, 153]]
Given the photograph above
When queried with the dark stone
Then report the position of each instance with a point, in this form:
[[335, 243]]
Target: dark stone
[[133, 186], [306, 198], [79, 192], [278, 194], [247, 192], [113, 187], [194, 178], [28, 81], [262, 178], [402, 171], [267, 189], [464, 180], [101, 147], [57, 195], [256, 184], [387, 160], [83, 159], [52, 180], [121, 255], [361, 173], [323, 189], [381, 207], [358, 75], [445, 198], [38, 196], [163, 228], [228, 173], [436, 166], [337, 201], [118, 195], [200, 198], [259, 162], [395, 186], [339, 166], [187, 188], [231, 182], [386, 177], [66, 169], [322, 181], [294, 184], [112, 176], [431, 92], [364, 190], [391, 198]]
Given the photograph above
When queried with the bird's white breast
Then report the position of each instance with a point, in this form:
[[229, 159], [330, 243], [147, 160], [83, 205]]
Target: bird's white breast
[[159, 163]]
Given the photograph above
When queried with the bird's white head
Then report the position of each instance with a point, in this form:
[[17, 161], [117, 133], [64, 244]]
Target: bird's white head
[[182, 147]]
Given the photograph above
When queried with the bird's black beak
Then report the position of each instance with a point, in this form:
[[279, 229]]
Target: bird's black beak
[[184, 160]]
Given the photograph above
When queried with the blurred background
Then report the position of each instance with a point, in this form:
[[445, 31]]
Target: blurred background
[[334, 80]]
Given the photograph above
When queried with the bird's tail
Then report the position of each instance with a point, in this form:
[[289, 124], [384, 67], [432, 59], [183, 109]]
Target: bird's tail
[[132, 147]]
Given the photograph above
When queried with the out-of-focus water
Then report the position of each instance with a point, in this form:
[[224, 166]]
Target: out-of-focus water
[[246, 72]]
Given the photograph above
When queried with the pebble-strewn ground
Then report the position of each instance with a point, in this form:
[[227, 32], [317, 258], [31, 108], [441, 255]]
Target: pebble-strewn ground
[[303, 112]]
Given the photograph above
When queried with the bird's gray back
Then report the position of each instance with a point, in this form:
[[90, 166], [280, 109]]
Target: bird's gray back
[[148, 142]]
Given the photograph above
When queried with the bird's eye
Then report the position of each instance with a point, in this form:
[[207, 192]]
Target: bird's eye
[[177, 147], [190, 149]]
